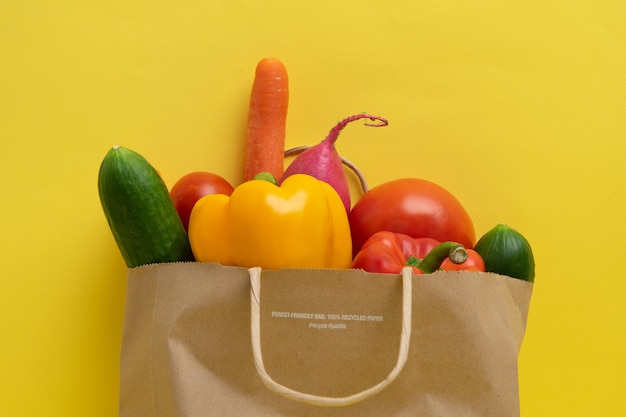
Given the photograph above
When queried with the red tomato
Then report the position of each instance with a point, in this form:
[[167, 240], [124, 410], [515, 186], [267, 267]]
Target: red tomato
[[193, 186], [414, 207]]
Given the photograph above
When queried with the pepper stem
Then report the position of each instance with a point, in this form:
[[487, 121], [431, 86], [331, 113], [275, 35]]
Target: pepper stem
[[432, 262], [265, 176]]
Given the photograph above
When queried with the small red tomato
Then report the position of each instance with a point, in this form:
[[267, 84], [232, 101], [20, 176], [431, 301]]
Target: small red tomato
[[414, 207], [193, 186]]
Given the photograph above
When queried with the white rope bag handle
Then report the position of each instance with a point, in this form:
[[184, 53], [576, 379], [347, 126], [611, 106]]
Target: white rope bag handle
[[255, 327]]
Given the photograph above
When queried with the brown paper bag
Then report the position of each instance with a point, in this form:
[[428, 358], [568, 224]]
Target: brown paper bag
[[202, 339]]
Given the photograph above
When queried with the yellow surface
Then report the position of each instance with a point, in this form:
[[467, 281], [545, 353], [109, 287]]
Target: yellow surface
[[518, 108]]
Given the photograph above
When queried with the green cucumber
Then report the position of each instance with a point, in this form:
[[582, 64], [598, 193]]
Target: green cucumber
[[139, 210], [506, 252]]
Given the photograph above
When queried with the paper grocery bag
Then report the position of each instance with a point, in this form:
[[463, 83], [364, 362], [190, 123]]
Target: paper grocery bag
[[202, 339]]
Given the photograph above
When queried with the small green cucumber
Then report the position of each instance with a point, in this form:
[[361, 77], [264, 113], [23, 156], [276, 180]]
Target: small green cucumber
[[139, 210], [506, 252]]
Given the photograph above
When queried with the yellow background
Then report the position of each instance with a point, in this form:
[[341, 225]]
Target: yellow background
[[517, 107]]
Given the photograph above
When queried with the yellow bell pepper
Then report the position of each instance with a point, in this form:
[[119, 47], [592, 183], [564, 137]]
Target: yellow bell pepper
[[300, 224]]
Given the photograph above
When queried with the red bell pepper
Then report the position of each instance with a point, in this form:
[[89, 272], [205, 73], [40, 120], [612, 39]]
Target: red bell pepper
[[389, 252]]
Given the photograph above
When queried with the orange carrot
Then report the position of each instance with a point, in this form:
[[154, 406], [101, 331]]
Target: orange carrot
[[267, 119]]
